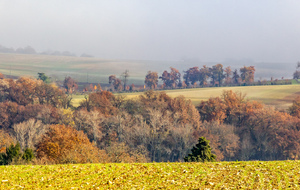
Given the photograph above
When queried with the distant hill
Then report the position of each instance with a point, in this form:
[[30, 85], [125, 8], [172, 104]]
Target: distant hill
[[97, 70], [31, 50]]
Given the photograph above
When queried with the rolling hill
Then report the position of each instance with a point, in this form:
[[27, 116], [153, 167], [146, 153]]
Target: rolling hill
[[97, 70]]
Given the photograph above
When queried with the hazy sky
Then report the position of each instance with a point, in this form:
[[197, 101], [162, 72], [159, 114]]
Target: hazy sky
[[207, 30]]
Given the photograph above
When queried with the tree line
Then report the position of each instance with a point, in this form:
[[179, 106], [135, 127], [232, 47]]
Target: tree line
[[38, 120], [214, 76], [193, 77]]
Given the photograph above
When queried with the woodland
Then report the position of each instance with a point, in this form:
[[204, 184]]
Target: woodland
[[38, 123]]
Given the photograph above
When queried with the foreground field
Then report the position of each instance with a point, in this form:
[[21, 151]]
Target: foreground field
[[280, 96], [218, 175]]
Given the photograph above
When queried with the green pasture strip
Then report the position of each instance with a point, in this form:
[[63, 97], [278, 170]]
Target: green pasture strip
[[216, 175]]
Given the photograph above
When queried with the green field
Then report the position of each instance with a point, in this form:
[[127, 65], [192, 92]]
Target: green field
[[94, 70], [280, 96], [216, 175], [97, 70]]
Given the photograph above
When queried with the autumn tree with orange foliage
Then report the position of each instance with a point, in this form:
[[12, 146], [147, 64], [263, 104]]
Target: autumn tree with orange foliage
[[5, 141], [25, 91], [171, 79], [217, 75], [62, 144], [204, 74], [151, 79], [274, 135], [294, 109], [105, 102], [180, 110], [212, 110], [116, 82], [224, 141], [228, 73], [191, 76], [70, 85], [21, 91], [247, 74], [231, 108]]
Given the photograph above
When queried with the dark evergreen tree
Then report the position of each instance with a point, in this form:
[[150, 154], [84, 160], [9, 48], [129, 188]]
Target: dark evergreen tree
[[201, 152], [12, 152], [28, 155]]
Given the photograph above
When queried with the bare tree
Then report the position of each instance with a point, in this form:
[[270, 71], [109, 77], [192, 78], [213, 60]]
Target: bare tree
[[125, 76], [28, 133], [89, 123]]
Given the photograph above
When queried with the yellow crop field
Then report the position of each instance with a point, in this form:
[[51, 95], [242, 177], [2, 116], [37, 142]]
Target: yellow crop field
[[213, 175], [280, 96]]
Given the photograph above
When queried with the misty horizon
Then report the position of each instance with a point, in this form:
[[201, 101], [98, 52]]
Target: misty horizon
[[157, 30]]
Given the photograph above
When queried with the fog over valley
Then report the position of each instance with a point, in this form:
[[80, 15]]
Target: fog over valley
[[186, 33]]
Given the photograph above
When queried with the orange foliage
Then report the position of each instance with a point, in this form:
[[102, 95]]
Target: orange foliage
[[63, 144], [171, 79], [275, 134], [212, 110], [104, 102], [182, 111], [25, 91], [151, 79], [70, 85], [5, 141], [247, 74], [295, 108], [231, 109]]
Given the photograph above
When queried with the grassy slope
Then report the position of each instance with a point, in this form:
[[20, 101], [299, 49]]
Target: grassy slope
[[218, 175], [60, 66], [280, 96], [77, 67]]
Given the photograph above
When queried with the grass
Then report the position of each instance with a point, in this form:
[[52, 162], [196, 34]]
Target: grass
[[98, 70], [216, 175], [280, 96]]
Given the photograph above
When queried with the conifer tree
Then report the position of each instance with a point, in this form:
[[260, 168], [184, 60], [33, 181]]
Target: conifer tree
[[201, 152]]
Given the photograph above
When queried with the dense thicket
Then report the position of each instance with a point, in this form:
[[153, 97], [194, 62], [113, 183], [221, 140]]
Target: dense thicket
[[151, 127]]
